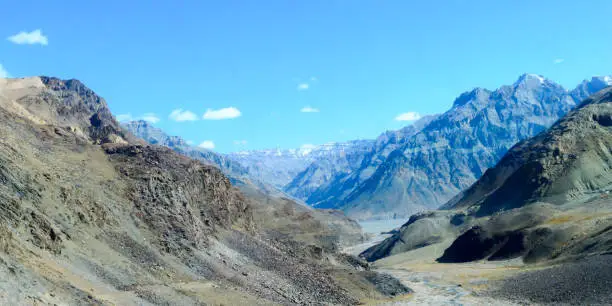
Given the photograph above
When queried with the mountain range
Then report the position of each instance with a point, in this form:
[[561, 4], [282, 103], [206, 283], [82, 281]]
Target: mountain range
[[280, 167], [438, 158], [401, 172]]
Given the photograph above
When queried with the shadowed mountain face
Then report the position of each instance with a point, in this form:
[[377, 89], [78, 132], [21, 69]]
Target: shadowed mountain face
[[92, 215], [547, 199], [453, 150]]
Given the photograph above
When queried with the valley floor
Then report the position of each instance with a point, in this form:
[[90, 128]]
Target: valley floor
[[493, 283], [438, 284]]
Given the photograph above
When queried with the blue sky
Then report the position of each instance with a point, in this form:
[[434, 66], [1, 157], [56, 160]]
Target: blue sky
[[356, 65]]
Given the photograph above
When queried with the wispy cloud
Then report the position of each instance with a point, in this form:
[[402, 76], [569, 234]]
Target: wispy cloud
[[207, 144], [190, 142], [308, 109], [240, 142], [305, 84], [124, 117], [559, 60], [29, 38], [181, 115], [3, 72], [149, 117], [409, 116], [224, 113]]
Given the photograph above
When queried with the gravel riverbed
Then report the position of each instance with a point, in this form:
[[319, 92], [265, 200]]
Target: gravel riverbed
[[586, 282]]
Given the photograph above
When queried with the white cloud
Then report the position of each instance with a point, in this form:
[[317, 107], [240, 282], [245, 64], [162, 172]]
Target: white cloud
[[303, 86], [559, 61], [308, 109], [409, 116], [150, 117], [29, 38], [224, 113], [240, 142], [3, 72], [125, 117], [181, 115], [314, 79], [207, 144], [190, 142]]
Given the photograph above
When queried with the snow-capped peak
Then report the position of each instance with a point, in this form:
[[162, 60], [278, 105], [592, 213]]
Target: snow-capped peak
[[306, 149], [530, 78]]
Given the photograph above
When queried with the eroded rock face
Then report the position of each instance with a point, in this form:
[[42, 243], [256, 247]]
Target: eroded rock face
[[181, 199], [70, 101]]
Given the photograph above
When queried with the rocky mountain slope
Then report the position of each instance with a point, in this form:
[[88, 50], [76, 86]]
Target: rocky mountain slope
[[238, 174], [149, 133], [453, 150], [92, 215], [570, 162], [269, 200], [546, 200]]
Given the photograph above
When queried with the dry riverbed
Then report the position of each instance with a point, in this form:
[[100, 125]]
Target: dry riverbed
[[440, 284], [587, 281]]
